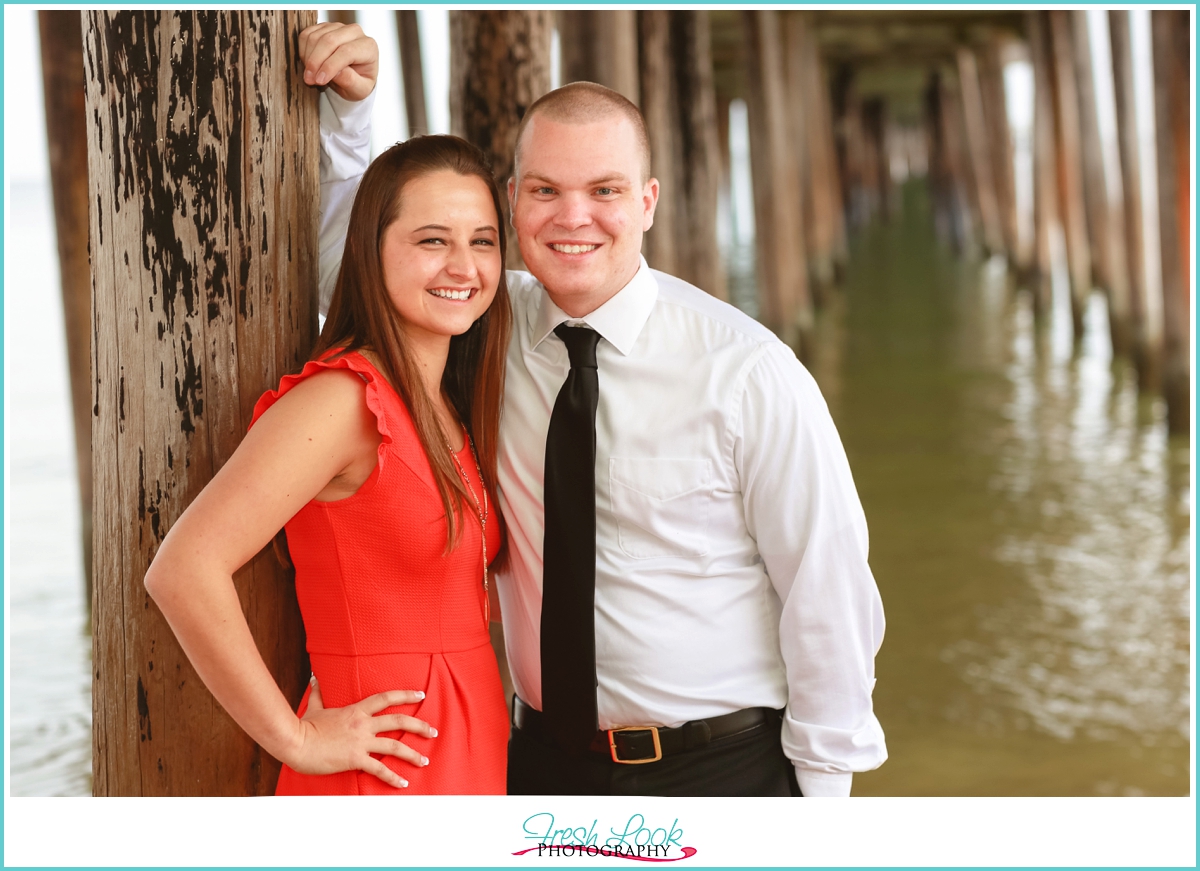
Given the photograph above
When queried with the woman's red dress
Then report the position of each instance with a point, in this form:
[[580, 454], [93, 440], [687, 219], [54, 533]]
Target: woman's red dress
[[386, 609]]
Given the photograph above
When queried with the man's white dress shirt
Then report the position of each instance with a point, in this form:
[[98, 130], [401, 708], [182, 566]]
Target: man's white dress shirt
[[731, 546]]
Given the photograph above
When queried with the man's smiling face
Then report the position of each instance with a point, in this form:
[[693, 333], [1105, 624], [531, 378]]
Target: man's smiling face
[[580, 206]]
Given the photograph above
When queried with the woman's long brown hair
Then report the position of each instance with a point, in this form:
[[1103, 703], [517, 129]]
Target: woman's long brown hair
[[362, 316]]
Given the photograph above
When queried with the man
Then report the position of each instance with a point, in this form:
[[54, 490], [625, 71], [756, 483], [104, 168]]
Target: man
[[688, 607]]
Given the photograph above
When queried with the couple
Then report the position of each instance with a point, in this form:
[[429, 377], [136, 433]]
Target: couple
[[664, 507]]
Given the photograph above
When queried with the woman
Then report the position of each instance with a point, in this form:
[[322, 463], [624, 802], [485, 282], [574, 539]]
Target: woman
[[380, 458]]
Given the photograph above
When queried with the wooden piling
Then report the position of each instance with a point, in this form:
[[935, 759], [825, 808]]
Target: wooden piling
[[600, 45], [822, 190], [1171, 34], [782, 270], [1146, 332], [877, 177], [1045, 169], [800, 117], [202, 152], [1000, 148], [408, 33], [1095, 187], [66, 138], [979, 151], [499, 64], [341, 16], [698, 152], [1070, 165], [657, 86]]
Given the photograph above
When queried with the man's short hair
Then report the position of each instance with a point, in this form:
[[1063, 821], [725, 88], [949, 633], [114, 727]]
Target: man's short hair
[[581, 103]]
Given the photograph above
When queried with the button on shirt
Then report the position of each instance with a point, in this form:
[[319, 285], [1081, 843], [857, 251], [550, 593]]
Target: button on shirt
[[731, 547]]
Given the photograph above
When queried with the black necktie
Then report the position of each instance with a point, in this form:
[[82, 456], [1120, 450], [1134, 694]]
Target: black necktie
[[569, 550]]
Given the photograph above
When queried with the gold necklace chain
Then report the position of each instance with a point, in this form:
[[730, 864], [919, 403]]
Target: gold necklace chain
[[482, 512]]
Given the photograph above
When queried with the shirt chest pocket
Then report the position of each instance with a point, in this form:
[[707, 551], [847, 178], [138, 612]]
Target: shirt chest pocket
[[661, 506]]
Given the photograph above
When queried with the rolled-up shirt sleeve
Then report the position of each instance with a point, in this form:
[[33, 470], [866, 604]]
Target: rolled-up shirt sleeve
[[804, 513], [345, 155]]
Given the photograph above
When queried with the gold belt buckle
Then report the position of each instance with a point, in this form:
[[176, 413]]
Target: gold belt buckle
[[612, 744]]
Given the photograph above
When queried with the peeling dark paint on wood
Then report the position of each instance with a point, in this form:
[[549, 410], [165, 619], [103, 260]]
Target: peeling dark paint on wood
[[178, 194]]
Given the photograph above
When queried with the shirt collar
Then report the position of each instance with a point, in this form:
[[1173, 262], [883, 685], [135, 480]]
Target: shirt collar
[[620, 320]]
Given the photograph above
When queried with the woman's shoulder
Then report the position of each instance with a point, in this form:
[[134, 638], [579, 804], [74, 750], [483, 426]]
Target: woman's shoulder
[[338, 384]]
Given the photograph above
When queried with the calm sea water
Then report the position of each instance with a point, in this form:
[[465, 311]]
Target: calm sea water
[[1029, 517], [48, 703]]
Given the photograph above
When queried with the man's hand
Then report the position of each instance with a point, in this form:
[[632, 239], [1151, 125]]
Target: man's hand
[[341, 56]]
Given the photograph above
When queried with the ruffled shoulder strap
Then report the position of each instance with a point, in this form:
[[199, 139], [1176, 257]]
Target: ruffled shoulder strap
[[377, 387]]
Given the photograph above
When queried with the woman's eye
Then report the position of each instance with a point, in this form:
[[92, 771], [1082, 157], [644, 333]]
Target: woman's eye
[[487, 242], [432, 241]]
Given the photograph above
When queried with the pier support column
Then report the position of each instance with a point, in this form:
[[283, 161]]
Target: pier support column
[[979, 151], [1070, 165], [1045, 169], [1170, 36], [1000, 148], [202, 152], [782, 268], [601, 46], [658, 107], [66, 139], [699, 160], [1145, 330], [408, 33]]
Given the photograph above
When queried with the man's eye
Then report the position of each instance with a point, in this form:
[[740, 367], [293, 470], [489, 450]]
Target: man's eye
[[604, 192], [543, 190]]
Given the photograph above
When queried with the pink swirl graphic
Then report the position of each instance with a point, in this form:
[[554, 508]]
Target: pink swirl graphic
[[688, 852]]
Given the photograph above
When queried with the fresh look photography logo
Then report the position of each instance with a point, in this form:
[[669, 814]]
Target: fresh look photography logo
[[635, 838]]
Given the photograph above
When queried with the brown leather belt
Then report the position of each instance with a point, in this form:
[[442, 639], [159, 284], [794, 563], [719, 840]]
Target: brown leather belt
[[635, 745]]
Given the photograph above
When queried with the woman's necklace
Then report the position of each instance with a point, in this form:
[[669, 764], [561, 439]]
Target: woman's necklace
[[482, 511]]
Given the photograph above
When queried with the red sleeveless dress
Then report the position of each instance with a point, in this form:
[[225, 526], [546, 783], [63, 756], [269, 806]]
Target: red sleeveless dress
[[385, 609]]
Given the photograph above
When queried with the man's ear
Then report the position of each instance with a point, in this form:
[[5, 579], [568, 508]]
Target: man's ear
[[512, 193], [649, 203]]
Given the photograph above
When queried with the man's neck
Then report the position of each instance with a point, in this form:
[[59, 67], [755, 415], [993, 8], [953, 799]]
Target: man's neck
[[577, 305]]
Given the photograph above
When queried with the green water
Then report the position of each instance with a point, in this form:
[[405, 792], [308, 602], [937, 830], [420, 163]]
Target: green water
[[1029, 525]]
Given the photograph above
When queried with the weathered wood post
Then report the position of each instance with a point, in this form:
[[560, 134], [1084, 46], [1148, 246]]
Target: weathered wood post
[[1070, 165], [822, 190], [408, 34], [1171, 37], [341, 16], [979, 150], [779, 234], [803, 116], [600, 46], [1146, 331], [1107, 245], [1000, 141], [657, 88], [499, 64], [66, 138], [699, 159], [1095, 188], [1045, 170], [202, 151]]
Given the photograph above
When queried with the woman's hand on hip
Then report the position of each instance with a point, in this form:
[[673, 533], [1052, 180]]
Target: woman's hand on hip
[[341, 739]]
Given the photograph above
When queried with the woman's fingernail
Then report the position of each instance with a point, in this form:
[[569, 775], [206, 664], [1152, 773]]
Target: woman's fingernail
[[322, 77], [424, 760], [420, 695], [432, 732], [403, 784]]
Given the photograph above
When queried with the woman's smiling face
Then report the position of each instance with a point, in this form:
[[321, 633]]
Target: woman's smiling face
[[441, 256]]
